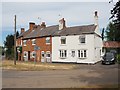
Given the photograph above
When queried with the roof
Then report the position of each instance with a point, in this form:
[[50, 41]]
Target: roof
[[24, 34], [54, 31], [111, 44], [76, 30]]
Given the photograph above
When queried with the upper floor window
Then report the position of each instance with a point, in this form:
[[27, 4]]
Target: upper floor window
[[82, 53], [63, 53], [82, 39], [33, 41], [24, 42], [63, 40], [47, 40]]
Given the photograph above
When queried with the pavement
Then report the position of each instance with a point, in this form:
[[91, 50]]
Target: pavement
[[82, 76]]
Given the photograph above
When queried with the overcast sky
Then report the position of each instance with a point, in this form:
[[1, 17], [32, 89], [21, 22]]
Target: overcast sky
[[75, 13]]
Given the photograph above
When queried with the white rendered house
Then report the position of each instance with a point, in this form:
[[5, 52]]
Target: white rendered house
[[79, 44]]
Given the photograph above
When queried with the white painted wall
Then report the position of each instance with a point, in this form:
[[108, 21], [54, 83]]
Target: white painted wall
[[72, 43]]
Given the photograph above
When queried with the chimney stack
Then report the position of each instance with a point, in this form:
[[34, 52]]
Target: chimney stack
[[43, 25], [61, 24], [31, 25], [22, 30], [96, 18]]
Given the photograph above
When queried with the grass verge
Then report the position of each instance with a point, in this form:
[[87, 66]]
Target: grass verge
[[31, 66]]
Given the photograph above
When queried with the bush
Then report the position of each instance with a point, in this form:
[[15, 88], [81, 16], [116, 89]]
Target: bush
[[118, 58]]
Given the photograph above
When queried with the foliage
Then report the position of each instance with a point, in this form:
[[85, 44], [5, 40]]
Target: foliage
[[118, 58], [111, 32], [9, 45], [116, 19]]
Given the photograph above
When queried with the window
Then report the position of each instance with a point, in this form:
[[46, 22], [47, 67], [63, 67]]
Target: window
[[63, 53], [63, 40], [25, 54], [48, 54], [73, 53], [42, 54], [82, 53], [82, 39], [24, 42], [33, 42], [47, 40], [33, 54]]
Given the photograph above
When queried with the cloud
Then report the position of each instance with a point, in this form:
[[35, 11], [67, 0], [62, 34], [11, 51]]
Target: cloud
[[76, 13]]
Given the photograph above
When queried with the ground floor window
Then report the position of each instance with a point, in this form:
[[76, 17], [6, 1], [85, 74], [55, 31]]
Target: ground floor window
[[25, 54], [33, 54], [48, 54], [42, 54], [63, 53], [82, 53], [73, 53]]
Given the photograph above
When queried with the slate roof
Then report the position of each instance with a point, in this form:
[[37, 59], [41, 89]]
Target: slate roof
[[54, 31]]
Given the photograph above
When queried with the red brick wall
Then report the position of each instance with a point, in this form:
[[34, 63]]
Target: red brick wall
[[41, 42]]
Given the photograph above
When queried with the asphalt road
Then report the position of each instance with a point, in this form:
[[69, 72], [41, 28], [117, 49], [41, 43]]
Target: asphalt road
[[82, 76]]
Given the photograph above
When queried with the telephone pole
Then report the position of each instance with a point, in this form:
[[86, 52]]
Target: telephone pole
[[15, 42]]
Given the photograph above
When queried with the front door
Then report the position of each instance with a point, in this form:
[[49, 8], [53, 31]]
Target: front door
[[28, 55]]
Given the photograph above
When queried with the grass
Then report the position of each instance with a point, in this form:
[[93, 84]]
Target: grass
[[31, 66]]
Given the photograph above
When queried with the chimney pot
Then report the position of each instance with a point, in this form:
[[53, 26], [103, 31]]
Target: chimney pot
[[43, 25], [62, 24], [31, 25], [22, 30]]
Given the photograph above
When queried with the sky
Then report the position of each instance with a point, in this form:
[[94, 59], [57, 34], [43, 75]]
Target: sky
[[75, 13]]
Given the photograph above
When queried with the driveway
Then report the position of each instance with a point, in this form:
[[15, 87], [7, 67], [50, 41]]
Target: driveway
[[82, 76]]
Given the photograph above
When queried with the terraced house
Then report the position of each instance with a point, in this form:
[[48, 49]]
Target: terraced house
[[59, 43]]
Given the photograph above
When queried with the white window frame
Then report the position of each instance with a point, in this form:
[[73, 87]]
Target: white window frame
[[80, 39], [62, 39], [25, 54], [33, 54], [33, 41], [24, 42], [72, 54], [62, 53], [82, 53], [48, 52], [42, 52], [47, 38]]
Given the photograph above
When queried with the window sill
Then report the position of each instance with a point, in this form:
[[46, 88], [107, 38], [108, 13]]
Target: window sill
[[82, 57], [24, 45], [82, 43], [47, 43], [62, 57], [63, 45], [33, 44]]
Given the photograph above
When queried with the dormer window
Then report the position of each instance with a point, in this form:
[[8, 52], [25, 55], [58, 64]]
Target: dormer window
[[63, 40], [34, 42], [82, 39]]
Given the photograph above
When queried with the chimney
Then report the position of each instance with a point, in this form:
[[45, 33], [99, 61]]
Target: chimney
[[31, 25], [61, 24], [43, 25], [22, 30], [96, 18]]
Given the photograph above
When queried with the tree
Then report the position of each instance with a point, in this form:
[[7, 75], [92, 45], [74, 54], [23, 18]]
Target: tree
[[116, 19], [103, 33], [111, 32], [9, 45], [17, 34]]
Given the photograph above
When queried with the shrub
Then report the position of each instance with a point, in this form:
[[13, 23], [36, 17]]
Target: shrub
[[118, 58]]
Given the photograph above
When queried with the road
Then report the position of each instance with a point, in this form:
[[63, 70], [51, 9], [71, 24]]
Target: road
[[82, 76]]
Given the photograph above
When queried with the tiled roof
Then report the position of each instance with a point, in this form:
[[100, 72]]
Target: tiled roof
[[111, 44], [76, 30], [54, 31], [24, 34]]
